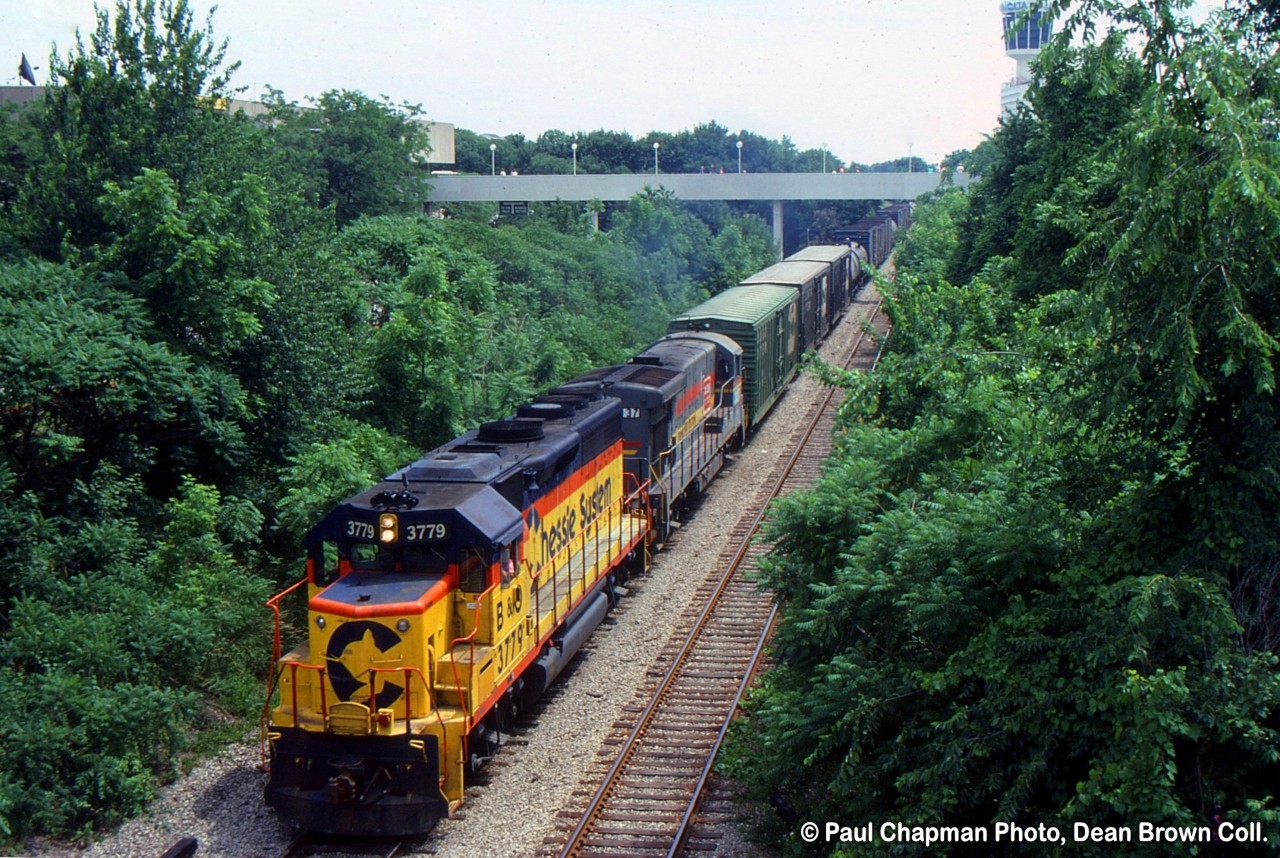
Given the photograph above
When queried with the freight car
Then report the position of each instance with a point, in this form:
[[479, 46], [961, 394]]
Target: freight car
[[765, 321], [442, 600], [813, 281], [845, 274]]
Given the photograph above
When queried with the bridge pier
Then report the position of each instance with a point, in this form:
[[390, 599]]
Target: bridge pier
[[777, 226]]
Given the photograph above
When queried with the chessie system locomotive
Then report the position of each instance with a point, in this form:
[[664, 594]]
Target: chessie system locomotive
[[446, 597]]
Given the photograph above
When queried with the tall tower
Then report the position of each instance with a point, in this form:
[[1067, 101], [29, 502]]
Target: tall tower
[[1024, 34]]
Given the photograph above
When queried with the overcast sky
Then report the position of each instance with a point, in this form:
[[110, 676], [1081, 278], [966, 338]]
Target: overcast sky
[[870, 79]]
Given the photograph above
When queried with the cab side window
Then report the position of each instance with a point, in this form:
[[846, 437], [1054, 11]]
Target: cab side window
[[507, 564], [471, 577], [324, 563]]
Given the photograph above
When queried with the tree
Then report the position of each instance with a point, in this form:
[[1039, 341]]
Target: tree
[[142, 93], [362, 156], [86, 384]]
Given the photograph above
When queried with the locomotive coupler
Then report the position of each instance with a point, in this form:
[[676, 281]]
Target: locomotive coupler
[[342, 788]]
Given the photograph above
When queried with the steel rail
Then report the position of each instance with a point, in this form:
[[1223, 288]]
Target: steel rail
[[628, 749], [686, 822]]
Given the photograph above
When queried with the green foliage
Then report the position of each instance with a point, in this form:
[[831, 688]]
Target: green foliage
[[706, 148], [188, 257], [110, 643], [139, 95], [1032, 584], [360, 155], [472, 320], [1044, 172], [84, 384]]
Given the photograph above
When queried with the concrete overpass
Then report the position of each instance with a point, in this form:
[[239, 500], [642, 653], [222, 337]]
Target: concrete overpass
[[772, 187]]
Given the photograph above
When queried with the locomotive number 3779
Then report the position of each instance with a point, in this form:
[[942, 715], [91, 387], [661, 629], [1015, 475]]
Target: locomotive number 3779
[[424, 532], [413, 533]]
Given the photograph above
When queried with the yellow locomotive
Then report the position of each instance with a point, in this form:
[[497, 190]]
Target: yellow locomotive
[[439, 601]]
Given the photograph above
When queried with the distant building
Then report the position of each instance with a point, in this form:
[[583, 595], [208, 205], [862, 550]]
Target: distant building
[[440, 138], [20, 94], [1025, 33]]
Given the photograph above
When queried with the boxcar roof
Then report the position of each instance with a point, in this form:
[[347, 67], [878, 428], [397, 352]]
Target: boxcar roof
[[820, 253], [747, 304], [792, 272]]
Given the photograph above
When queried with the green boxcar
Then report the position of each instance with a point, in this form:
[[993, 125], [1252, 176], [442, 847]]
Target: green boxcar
[[812, 280], [765, 321]]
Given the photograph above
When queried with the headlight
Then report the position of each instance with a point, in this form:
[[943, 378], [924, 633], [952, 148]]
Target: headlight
[[403, 625], [388, 527], [320, 622]]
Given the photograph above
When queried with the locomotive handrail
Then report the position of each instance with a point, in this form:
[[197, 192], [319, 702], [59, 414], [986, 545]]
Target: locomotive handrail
[[265, 717], [470, 640], [293, 679], [623, 502], [276, 670], [725, 388], [641, 488], [274, 604]]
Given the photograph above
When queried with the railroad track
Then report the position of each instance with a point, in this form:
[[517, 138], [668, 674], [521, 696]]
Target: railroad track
[[647, 802]]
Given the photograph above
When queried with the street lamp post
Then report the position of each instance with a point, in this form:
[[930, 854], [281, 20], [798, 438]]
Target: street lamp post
[[655, 157], [574, 147], [739, 156], [493, 159]]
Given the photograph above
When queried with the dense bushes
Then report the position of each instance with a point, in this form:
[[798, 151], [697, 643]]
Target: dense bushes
[[1031, 586]]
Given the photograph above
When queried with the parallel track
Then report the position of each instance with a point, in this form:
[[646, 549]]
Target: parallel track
[[647, 802]]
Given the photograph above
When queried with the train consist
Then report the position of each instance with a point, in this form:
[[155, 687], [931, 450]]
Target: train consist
[[444, 599], [875, 233]]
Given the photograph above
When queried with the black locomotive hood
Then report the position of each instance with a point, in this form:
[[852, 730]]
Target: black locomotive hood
[[473, 510]]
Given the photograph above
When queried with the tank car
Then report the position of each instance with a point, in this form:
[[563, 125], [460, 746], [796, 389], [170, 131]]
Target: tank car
[[875, 233], [440, 601], [864, 269]]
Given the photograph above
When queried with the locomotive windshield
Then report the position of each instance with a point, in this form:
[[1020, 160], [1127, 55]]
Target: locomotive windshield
[[329, 558], [397, 558]]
